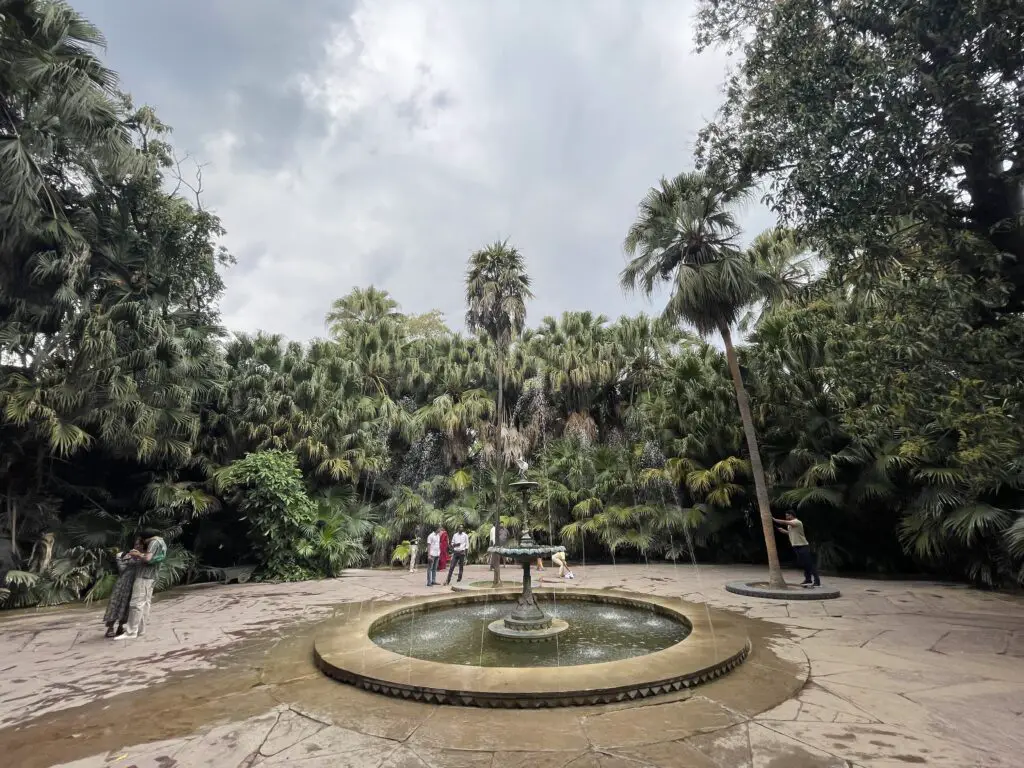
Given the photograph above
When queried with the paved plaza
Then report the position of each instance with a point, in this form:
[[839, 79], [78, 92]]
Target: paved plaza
[[896, 674]]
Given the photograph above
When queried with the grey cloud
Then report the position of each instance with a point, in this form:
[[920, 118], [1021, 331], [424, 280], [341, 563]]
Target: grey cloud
[[188, 57], [567, 113]]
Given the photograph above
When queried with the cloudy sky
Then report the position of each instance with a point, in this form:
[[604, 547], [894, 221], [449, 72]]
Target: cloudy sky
[[358, 142]]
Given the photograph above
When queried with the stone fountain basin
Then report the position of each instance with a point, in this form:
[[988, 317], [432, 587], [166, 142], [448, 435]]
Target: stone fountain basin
[[344, 651], [526, 554]]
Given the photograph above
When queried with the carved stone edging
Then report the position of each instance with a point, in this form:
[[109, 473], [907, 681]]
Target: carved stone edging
[[758, 589], [536, 701], [354, 659]]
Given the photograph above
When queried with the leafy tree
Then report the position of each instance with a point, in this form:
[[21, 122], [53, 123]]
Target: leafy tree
[[60, 122], [267, 488], [108, 290], [863, 113]]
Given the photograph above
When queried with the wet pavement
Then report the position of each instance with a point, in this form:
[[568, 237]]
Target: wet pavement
[[900, 673]]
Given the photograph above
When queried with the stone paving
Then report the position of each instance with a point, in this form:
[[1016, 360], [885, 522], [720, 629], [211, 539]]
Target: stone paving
[[900, 673]]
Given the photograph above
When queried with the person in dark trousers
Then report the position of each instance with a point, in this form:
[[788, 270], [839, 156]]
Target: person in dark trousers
[[433, 555], [460, 547], [794, 529]]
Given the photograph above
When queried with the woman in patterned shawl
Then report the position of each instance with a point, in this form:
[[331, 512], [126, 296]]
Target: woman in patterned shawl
[[120, 597]]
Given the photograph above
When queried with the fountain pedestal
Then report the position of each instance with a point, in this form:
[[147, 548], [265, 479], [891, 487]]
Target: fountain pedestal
[[527, 621]]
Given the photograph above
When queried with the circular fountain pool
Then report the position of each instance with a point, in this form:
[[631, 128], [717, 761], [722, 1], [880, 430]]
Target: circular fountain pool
[[597, 632], [363, 646]]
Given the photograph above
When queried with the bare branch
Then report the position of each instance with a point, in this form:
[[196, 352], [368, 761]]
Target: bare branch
[[196, 186]]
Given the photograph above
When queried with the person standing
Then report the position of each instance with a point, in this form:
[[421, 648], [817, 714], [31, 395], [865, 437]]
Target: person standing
[[433, 555], [121, 594], [498, 538], [147, 564], [460, 548], [414, 551], [794, 529], [443, 563]]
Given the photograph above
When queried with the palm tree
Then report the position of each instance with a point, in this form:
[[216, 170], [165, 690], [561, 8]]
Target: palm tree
[[686, 234], [497, 288], [577, 366], [60, 114], [360, 307]]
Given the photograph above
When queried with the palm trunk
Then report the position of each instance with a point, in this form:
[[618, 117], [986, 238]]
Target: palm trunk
[[501, 462], [12, 521], [775, 579]]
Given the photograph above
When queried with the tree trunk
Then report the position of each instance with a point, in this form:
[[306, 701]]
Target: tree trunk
[[775, 579], [500, 473], [12, 521]]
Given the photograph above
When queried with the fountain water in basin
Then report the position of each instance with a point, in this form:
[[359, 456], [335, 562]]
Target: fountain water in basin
[[527, 621]]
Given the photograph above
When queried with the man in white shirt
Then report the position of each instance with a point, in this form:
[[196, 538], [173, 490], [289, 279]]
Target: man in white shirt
[[794, 529], [433, 555], [460, 547]]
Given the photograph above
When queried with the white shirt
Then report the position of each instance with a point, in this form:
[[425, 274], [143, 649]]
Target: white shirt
[[460, 542], [433, 545], [494, 536]]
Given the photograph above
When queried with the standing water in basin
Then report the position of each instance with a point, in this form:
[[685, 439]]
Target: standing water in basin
[[597, 632]]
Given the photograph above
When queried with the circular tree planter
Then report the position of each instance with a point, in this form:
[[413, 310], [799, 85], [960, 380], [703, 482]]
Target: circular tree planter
[[761, 589]]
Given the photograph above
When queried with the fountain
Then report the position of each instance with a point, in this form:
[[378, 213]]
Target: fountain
[[527, 621], [612, 647]]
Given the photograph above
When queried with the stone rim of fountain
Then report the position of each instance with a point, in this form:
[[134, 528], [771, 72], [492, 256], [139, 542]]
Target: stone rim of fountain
[[345, 652]]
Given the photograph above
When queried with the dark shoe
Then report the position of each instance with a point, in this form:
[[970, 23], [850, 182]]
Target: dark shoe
[[120, 631], [110, 632], [817, 583]]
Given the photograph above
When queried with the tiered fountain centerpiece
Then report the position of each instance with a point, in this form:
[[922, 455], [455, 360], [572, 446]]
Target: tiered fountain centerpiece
[[527, 621]]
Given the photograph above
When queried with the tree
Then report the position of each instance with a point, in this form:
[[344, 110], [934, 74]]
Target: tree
[[497, 289], [686, 235], [902, 419], [268, 490], [860, 113], [108, 290], [60, 120]]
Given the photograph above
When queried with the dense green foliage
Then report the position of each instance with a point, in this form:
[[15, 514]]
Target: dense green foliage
[[877, 389]]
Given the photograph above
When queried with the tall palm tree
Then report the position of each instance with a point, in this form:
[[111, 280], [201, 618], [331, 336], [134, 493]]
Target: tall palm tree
[[686, 234], [497, 288]]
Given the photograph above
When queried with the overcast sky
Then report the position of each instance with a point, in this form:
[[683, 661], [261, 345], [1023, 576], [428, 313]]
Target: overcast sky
[[358, 142]]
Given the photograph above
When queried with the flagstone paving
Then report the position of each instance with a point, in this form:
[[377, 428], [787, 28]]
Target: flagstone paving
[[900, 673]]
